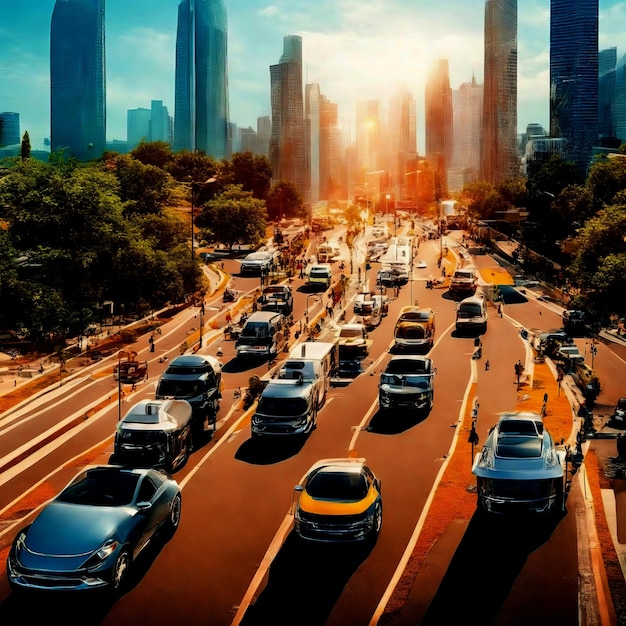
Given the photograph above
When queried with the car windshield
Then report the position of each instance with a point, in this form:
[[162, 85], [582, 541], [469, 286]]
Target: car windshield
[[350, 332], [179, 388], [342, 486], [405, 380], [257, 330], [410, 331], [282, 406], [101, 487], [406, 366], [319, 272], [469, 310]]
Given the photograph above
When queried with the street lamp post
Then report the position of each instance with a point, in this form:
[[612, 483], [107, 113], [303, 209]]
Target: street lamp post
[[201, 322], [192, 183]]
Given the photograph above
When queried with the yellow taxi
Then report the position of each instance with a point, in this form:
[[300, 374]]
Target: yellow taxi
[[339, 500]]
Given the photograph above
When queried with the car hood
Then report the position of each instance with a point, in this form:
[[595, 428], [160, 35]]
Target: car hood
[[72, 529], [336, 507]]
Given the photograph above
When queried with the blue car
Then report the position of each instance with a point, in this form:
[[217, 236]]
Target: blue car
[[88, 536]]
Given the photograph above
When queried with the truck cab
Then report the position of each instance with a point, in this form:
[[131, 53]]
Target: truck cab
[[278, 298], [264, 334], [463, 281], [155, 433], [198, 380], [471, 315], [320, 276], [414, 330], [372, 310], [289, 403], [407, 383], [287, 407]]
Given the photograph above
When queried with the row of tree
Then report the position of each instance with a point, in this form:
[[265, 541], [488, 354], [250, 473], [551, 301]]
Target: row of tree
[[577, 222], [74, 236], [118, 229]]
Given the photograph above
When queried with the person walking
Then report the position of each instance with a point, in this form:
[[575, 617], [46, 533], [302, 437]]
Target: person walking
[[487, 365]]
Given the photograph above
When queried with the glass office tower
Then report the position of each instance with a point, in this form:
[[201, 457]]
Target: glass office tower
[[201, 108], [287, 146], [499, 137], [77, 78], [574, 77]]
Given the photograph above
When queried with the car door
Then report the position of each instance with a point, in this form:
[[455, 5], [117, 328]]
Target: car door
[[149, 511]]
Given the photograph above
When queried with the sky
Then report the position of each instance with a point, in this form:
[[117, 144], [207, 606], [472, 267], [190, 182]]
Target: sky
[[354, 49]]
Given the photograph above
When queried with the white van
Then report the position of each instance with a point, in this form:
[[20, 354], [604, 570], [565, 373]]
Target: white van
[[265, 333], [471, 314]]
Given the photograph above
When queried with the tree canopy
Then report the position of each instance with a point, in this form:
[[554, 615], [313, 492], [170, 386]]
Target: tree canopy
[[233, 217]]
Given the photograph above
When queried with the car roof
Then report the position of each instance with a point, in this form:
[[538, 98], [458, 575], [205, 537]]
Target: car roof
[[341, 464]]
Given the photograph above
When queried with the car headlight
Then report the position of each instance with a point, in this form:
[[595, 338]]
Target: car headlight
[[104, 552], [20, 541], [552, 458], [486, 459]]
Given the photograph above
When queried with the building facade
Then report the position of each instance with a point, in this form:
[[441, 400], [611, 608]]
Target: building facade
[[201, 104], [467, 110], [499, 134], [439, 130], [287, 143], [574, 77], [78, 78], [9, 129], [607, 62], [312, 103], [402, 127]]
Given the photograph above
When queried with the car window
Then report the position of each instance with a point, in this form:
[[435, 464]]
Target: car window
[[146, 490], [342, 486], [101, 487]]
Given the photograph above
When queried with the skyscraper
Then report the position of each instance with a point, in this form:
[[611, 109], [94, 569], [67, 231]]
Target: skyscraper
[[439, 121], [499, 137], [574, 77], [9, 129], [287, 143], [312, 116], [402, 136], [201, 110], [607, 61], [77, 78], [619, 105], [467, 106]]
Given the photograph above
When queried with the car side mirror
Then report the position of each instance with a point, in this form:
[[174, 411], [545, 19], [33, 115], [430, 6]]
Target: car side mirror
[[144, 506]]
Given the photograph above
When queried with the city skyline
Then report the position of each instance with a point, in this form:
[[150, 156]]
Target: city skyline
[[346, 50]]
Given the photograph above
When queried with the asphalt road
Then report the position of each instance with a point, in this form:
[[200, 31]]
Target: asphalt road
[[235, 558]]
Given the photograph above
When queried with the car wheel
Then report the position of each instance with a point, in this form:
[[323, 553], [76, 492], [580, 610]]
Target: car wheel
[[174, 517], [120, 570]]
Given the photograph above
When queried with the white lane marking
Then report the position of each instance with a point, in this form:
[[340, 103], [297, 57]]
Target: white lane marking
[[422, 519]]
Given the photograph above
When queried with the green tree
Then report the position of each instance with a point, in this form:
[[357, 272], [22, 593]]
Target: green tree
[[25, 146], [143, 188], [234, 217], [513, 190], [600, 258], [156, 153], [284, 200], [252, 171], [605, 180]]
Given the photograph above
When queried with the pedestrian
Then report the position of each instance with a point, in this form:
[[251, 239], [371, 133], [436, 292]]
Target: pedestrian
[[151, 342], [487, 364], [500, 308]]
